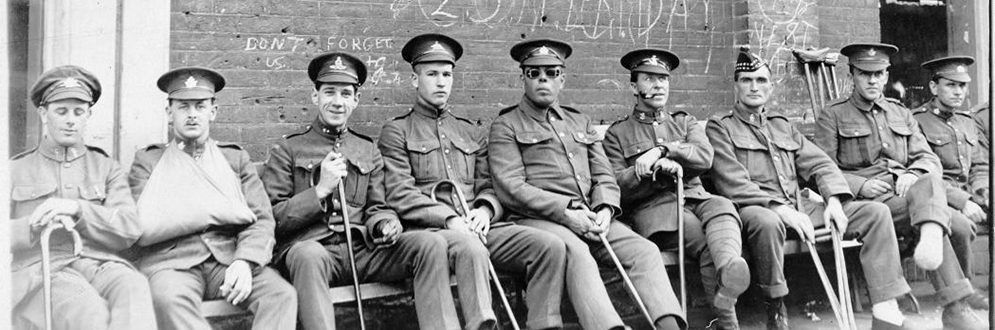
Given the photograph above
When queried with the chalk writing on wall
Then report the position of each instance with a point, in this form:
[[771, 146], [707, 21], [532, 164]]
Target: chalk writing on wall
[[782, 27], [279, 51], [635, 20]]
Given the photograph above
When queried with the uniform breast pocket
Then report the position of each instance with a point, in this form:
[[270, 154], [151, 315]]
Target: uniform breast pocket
[[24, 199], [943, 146], [854, 145], [357, 182], [426, 165], [304, 172], [754, 156], [899, 147], [539, 151], [95, 194], [787, 148], [632, 151], [465, 159]]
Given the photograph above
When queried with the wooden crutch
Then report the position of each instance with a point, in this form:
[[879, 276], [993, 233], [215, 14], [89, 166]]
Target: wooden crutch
[[834, 302], [490, 266], [59, 222], [812, 56], [830, 62], [842, 277], [679, 177]]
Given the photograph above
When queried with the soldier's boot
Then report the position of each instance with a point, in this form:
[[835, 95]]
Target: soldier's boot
[[959, 316], [725, 319], [777, 314], [977, 300]]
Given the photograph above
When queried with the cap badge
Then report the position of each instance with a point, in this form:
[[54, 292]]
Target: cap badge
[[961, 69], [338, 64], [437, 48], [543, 50], [70, 82], [191, 82], [871, 52]]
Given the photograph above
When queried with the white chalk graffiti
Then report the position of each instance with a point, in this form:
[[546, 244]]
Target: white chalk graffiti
[[595, 19], [280, 50], [782, 29]]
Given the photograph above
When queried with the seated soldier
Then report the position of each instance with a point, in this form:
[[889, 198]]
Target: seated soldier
[[982, 120], [65, 181], [431, 144], [207, 227], [885, 157], [653, 139], [552, 174], [954, 137], [312, 247], [761, 162]]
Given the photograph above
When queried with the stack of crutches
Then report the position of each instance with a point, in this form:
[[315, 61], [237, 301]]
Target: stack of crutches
[[824, 85], [841, 304], [46, 260], [679, 178], [461, 200], [315, 177]]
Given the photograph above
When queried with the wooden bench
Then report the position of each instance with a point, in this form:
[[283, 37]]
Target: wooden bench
[[341, 294]]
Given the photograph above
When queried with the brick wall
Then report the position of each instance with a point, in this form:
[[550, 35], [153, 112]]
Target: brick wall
[[263, 46]]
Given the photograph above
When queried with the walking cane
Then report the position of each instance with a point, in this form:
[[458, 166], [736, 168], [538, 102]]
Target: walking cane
[[834, 302], [46, 260], [344, 206], [352, 254], [490, 266], [625, 278], [679, 177]]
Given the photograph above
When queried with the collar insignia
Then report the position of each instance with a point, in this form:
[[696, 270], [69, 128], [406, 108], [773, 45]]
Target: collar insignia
[[338, 64], [191, 82]]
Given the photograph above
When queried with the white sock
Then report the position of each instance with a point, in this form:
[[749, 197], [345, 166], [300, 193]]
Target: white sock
[[888, 311]]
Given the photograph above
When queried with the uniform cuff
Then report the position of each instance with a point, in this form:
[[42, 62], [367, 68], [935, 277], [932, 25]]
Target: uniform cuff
[[492, 202]]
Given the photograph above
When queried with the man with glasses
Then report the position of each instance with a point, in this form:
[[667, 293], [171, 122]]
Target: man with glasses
[[553, 175], [885, 157], [430, 144]]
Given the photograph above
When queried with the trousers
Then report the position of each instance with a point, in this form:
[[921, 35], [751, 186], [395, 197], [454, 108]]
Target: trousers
[[178, 293], [869, 223], [641, 260], [91, 294], [312, 267], [539, 255]]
